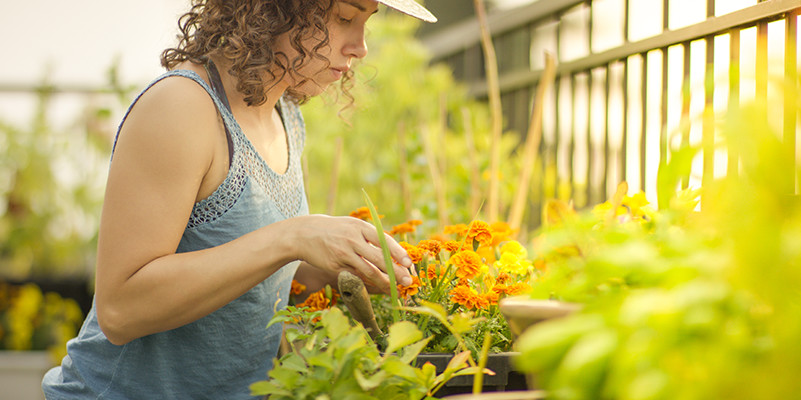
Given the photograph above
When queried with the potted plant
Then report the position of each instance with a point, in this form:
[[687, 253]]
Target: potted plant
[[334, 358], [34, 329]]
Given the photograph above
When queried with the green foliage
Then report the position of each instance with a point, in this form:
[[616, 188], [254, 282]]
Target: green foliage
[[691, 305], [51, 185], [335, 359], [402, 105], [50, 196]]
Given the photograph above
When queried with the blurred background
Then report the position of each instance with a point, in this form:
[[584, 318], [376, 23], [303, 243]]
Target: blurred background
[[634, 80]]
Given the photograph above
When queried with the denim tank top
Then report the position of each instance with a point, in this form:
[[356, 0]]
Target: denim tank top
[[221, 354]]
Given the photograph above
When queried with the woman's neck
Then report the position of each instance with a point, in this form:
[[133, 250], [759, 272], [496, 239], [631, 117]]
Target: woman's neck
[[236, 98]]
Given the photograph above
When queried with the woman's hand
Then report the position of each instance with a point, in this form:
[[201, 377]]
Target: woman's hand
[[334, 244]]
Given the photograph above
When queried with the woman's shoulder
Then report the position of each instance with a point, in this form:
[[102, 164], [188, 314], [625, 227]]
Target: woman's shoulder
[[176, 98], [173, 112]]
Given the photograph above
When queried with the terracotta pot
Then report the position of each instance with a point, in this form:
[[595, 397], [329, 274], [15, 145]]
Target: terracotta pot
[[514, 395], [521, 311]]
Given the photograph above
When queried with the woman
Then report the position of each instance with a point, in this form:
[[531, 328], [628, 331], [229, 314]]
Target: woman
[[205, 221]]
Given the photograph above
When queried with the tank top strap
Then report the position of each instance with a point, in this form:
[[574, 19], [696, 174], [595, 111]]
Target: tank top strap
[[219, 90], [225, 112]]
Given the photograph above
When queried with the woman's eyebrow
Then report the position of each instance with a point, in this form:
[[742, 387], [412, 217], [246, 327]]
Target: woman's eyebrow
[[357, 5]]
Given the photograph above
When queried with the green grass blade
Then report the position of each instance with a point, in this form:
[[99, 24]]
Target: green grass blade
[[393, 286]]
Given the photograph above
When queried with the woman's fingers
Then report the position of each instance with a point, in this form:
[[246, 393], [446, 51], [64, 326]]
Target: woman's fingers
[[372, 275], [373, 254]]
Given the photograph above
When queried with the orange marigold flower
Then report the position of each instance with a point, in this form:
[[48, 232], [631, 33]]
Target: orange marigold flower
[[362, 213], [491, 297], [487, 254], [458, 229], [518, 288], [451, 246], [503, 278], [297, 287], [501, 232], [401, 229], [482, 302], [432, 272], [414, 252], [500, 288], [480, 231], [465, 296], [406, 227], [316, 301], [467, 263], [411, 290], [440, 237], [431, 246]]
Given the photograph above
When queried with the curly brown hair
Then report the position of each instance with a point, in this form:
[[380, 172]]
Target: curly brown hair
[[244, 32]]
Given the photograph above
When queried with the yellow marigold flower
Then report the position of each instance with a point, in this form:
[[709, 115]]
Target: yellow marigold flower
[[515, 248], [415, 253], [411, 290], [458, 229], [489, 280], [637, 200], [501, 232], [480, 232], [433, 247], [297, 287], [467, 263], [602, 210], [554, 212], [512, 263]]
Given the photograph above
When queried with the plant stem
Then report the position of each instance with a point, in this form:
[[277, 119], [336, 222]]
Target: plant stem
[[478, 379], [491, 65], [393, 286]]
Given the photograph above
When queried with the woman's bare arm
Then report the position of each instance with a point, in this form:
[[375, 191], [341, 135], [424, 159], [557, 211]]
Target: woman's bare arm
[[163, 156]]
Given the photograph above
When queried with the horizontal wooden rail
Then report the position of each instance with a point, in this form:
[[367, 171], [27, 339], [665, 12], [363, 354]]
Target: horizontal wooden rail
[[761, 12], [466, 34]]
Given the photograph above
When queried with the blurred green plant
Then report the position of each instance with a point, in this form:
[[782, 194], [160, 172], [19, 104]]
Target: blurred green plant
[[51, 187], [686, 303], [413, 137], [32, 320]]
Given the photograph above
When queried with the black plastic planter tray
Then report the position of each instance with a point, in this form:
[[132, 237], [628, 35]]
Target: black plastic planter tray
[[505, 378]]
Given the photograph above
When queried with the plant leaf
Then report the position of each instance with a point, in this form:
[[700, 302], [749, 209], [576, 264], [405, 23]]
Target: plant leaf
[[402, 334]]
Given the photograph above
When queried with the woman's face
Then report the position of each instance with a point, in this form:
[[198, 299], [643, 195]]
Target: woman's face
[[346, 27]]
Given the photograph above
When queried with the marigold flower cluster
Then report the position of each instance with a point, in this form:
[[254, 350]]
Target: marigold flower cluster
[[468, 267]]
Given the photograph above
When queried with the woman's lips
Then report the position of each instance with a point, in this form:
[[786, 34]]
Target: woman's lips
[[339, 72]]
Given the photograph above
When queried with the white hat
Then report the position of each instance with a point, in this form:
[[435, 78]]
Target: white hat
[[410, 7]]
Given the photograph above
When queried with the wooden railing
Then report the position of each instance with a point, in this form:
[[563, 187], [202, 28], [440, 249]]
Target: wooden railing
[[623, 99]]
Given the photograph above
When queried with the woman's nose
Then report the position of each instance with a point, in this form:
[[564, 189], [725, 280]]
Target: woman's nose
[[356, 46]]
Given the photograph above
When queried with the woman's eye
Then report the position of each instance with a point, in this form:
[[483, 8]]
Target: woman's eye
[[345, 20]]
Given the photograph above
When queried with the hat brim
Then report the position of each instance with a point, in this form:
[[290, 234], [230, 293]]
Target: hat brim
[[410, 7]]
